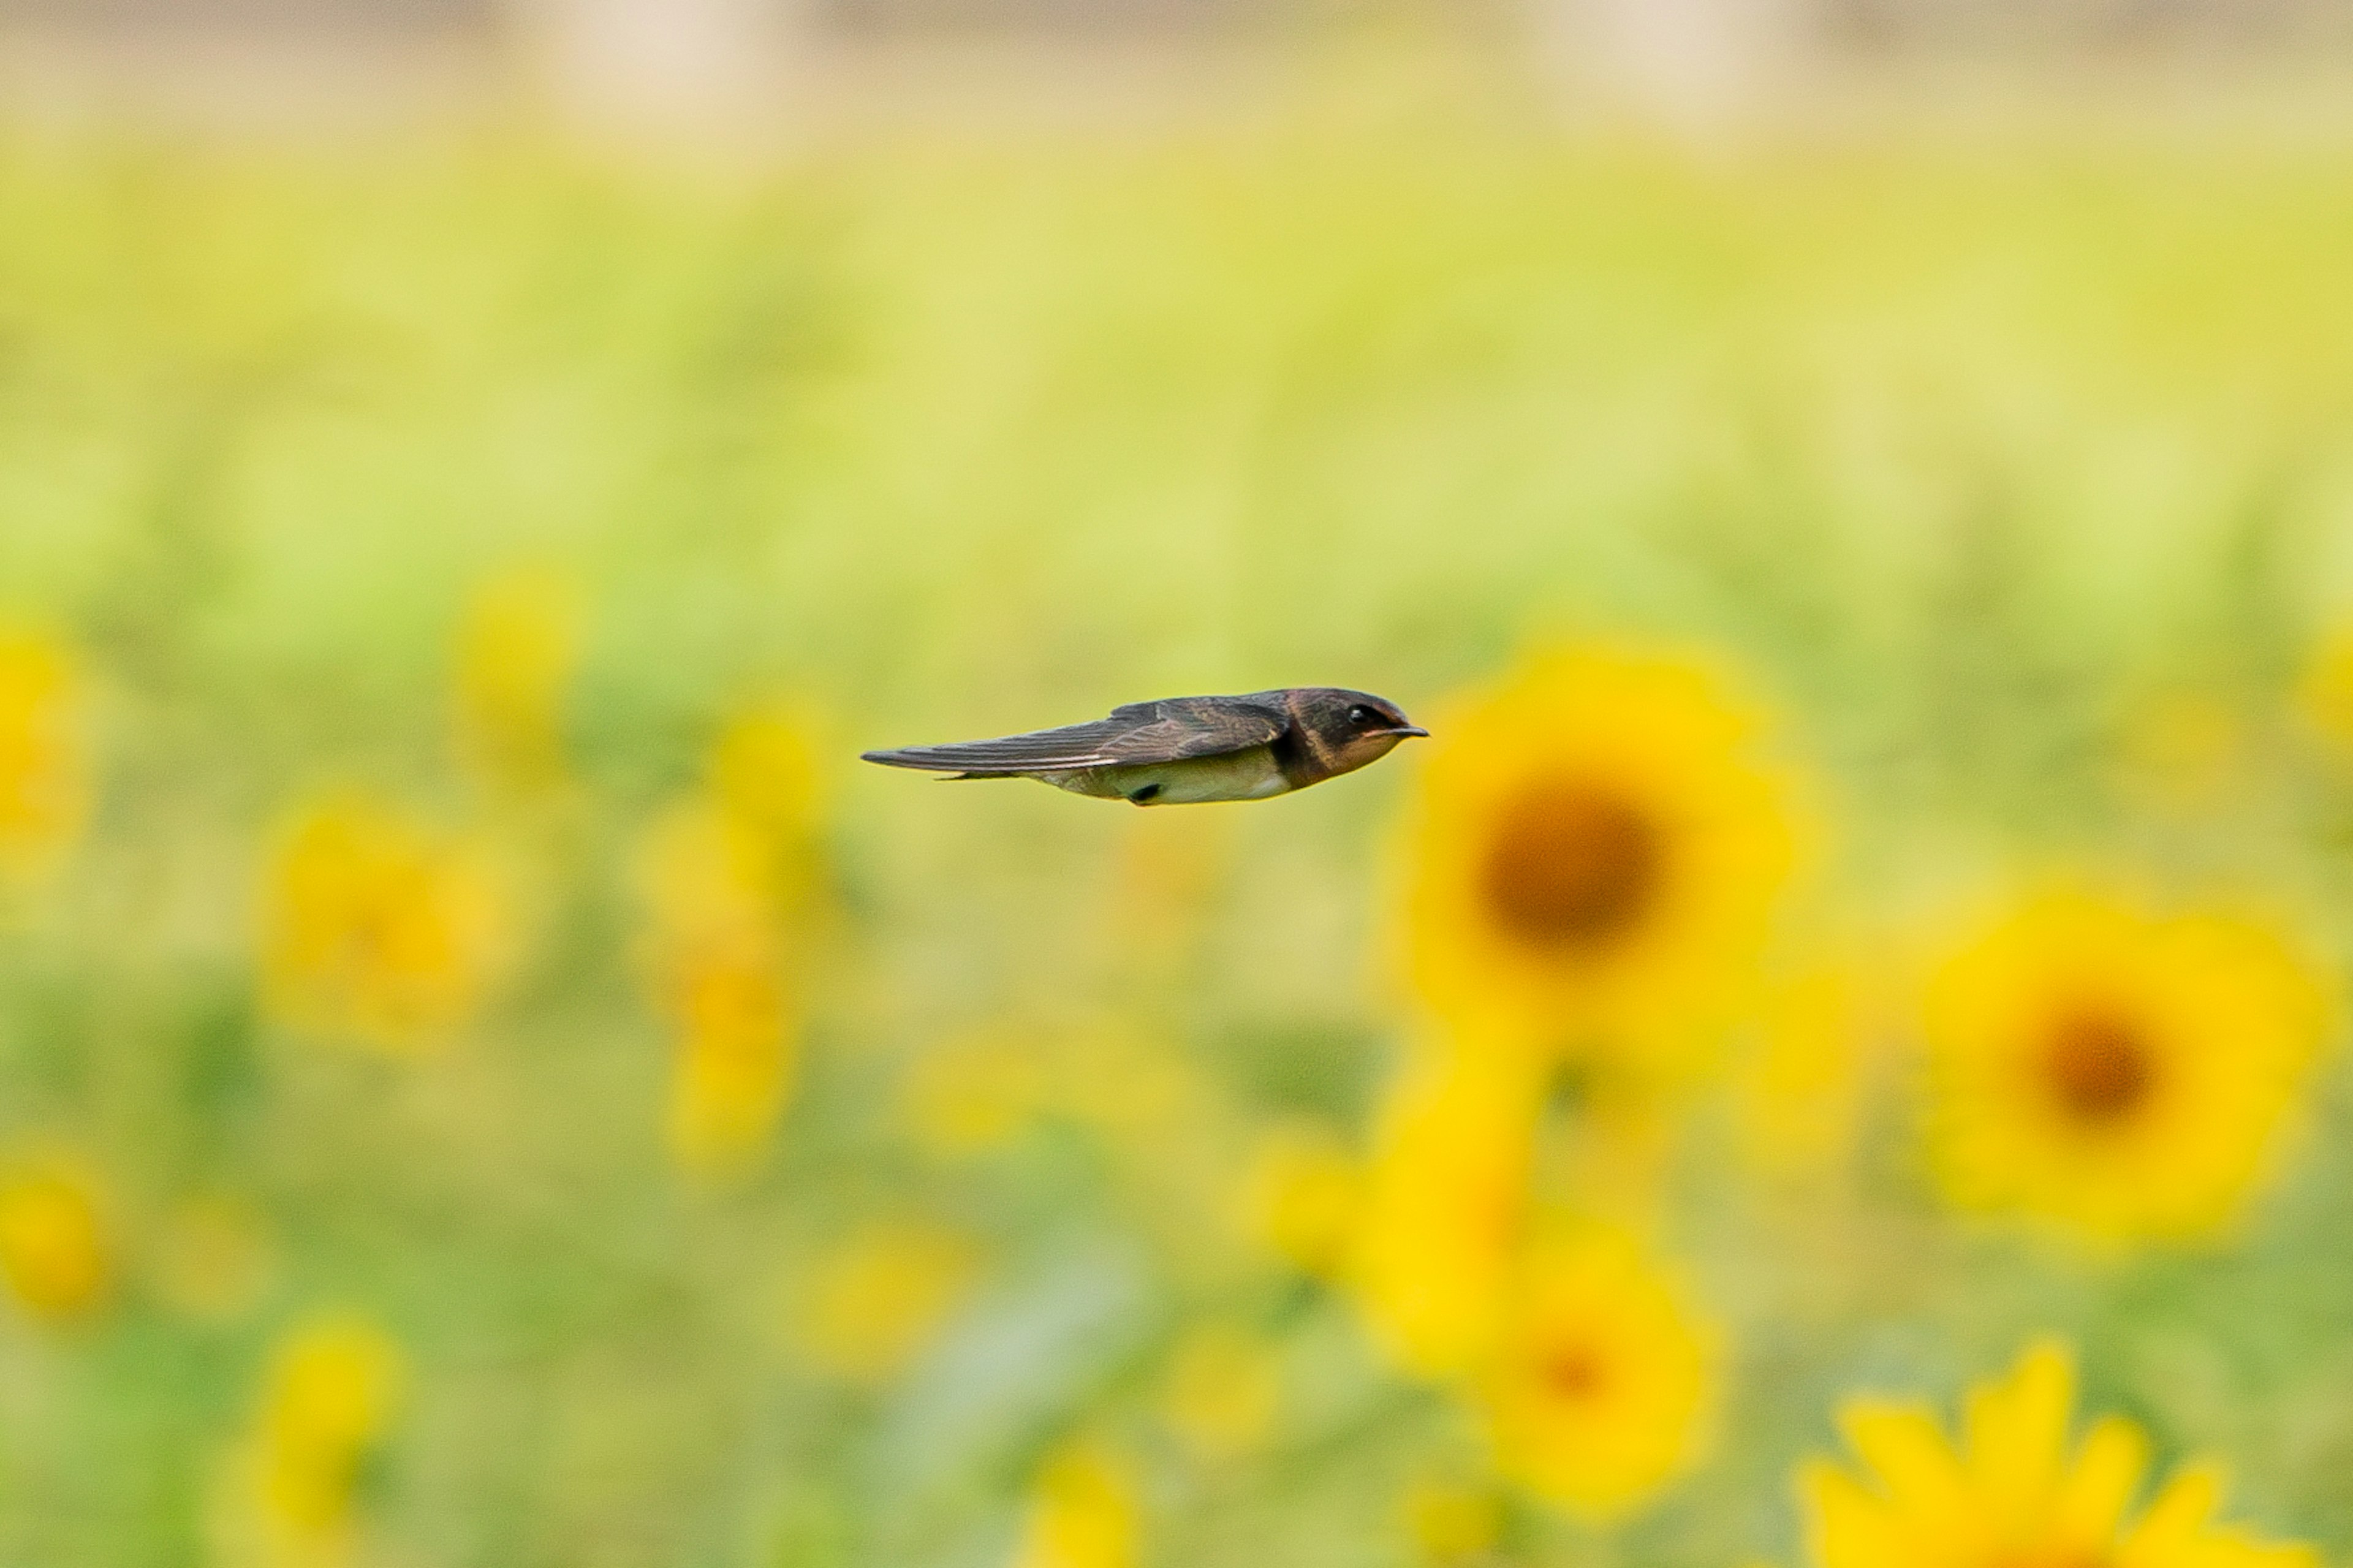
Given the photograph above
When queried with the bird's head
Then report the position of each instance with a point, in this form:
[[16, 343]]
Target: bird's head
[[1350, 729]]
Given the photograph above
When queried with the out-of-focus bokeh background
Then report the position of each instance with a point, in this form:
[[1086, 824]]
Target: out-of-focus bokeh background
[[1861, 491]]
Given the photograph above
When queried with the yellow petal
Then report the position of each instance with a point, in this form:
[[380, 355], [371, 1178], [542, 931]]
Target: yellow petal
[[1847, 1527], [2178, 1516], [2018, 1432], [2204, 1550], [2091, 1504], [1902, 1444]]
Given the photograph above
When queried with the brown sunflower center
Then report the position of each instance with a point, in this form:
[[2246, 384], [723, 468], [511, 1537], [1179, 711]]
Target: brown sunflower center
[[1572, 867], [1573, 1373], [2099, 1066]]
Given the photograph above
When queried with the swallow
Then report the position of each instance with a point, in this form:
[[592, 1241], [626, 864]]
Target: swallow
[[1180, 751]]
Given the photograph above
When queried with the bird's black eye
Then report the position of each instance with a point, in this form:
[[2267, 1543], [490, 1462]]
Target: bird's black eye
[[1360, 714]]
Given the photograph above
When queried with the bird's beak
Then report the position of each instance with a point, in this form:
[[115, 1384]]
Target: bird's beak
[[1406, 732]]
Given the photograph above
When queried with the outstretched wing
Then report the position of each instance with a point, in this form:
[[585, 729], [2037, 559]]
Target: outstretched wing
[[1168, 731]]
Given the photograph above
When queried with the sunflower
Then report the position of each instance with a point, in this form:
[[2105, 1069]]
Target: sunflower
[[1596, 859], [974, 1093], [2126, 1073], [1450, 1522], [765, 779], [876, 1301], [2013, 1494], [1300, 1197], [378, 928], [292, 1491], [1444, 1204], [1223, 1396], [737, 1050], [1083, 1513], [1600, 1380], [55, 1253], [516, 650], [45, 788], [2325, 693], [1800, 1094], [333, 1394], [730, 879]]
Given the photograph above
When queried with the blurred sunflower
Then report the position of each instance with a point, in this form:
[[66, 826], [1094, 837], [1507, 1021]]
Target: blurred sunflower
[[1445, 1202], [1223, 1392], [1799, 1093], [54, 1249], [974, 1093], [376, 929], [293, 1492], [765, 779], [1601, 1379], [1083, 1513], [880, 1296], [1452, 1524], [727, 998], [45, 786], [517, 647], [2325, 694], [727, 880], [2186, 751], [1596, 859], [2125, 1074], [1301, 1196], [2013, 1491]]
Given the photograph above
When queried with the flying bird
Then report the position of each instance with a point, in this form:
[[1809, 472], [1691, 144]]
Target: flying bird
[[1182, 750]]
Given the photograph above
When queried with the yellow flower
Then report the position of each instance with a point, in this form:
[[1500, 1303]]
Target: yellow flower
[[735, 1050], [1452, 1524], [1601, 1380], [764, 775], [1083, 1513], [45, 787], [1802, 1091], [1445, 1198], [970, 1095], [879, 1298], [728, 880], [1223, 1393], [53, 1241], [516, 650], [2326, 693], [334, 1387], [1597, 860], [716, 949], [2125, 1074], [2186, 749], [2014, 1491], [377, 929], [1133, 1090], [703, 869], [1301, 1195], [976, 1092]]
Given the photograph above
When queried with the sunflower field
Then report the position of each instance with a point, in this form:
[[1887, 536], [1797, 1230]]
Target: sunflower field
[[1830, 1057]]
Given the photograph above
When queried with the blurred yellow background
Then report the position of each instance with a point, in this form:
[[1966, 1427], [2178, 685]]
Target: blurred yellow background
[[1829, 1057]]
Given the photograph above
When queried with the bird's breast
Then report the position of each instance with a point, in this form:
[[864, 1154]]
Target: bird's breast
[[1240, 775]]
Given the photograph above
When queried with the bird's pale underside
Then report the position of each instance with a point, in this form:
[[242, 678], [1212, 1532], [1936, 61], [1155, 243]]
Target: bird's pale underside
[[1184, 750]]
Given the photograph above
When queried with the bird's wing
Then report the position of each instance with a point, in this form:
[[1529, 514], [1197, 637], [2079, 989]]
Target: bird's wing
[[1178, 728], [1170, 729]]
